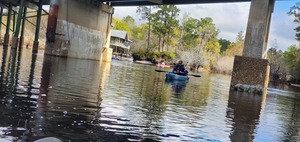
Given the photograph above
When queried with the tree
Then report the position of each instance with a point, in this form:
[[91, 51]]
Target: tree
[[278, 68], [180, 30], [291, 57], [200, 39], [240, 36], [146, 15], [236, 48], [121, 25], [131, 24], [295, 11], [190, 35], [164, 22], [224, 44], [129, 20]]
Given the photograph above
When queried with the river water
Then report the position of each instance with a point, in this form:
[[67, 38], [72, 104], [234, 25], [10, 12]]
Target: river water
[[84, 100]]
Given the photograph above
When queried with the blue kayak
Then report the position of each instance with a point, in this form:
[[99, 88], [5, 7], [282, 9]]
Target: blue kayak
[[173, 76]]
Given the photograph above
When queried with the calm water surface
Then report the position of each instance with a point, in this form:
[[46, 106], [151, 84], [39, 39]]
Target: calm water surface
[[83, 100]]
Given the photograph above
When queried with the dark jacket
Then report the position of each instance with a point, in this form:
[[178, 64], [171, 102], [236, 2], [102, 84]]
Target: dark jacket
[[180, 69]]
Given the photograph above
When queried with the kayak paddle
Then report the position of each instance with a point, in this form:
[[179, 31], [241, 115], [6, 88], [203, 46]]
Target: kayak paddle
[[195, 75]]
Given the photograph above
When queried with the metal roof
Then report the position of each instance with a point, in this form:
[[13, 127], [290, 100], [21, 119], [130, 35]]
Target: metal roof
[[119, 34]]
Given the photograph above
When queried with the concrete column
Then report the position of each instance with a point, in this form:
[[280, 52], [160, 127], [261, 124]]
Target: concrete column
[[15, 39], [14, 20], [106, 54], [75, 34], [23, 29], [1, 14], [6, 36], [258, 29], [251, 71], [37, 28]]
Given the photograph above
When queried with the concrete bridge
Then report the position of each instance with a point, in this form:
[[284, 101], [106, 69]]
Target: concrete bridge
[[81, 29]]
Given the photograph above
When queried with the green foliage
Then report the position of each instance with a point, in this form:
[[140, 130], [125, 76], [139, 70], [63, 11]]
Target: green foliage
[[276, 63], [164, 22], [144, 55], [295, 11], [237, 47], [145, 12], [129, 20], [291, 57], [121, 25], [153, 55], [195, 41], [138, 55], [224, 44], [213, 46], [168, 55], [190, 32], [240, 36]]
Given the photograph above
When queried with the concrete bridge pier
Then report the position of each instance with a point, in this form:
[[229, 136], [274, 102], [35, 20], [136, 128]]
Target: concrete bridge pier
[[1, 14], [37, 28], [251, 71], [23, 29], [15, 39], [7, 36], [77, 28], [106, 54]]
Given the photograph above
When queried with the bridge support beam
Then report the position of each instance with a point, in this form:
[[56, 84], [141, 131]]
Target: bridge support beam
[[1, 15], [71, 33], [251, 71], [37, 28], [15, 39], [6, 36], [23, 29]]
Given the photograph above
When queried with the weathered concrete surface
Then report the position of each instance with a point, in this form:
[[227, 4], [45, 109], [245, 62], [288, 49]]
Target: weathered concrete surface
[[250, 71], [106, 55], [81, 29], [258, 28]]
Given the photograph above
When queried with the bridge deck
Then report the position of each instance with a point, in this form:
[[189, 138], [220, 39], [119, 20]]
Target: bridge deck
[[168, 2], [135, 2]]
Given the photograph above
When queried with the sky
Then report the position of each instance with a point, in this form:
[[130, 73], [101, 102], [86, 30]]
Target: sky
[[230, 18]]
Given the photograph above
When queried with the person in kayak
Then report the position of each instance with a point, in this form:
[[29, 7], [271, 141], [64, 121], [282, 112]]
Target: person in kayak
[[180, 69]]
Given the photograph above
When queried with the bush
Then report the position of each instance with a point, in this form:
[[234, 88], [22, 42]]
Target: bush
[[168, 55], [224, 65], [139, 55], [143, 55]]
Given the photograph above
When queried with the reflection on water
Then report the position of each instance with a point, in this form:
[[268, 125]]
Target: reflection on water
[[84, 100], [243, 115], [177, 85]]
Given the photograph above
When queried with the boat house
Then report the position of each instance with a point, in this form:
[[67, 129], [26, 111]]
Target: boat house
[[120, 43]]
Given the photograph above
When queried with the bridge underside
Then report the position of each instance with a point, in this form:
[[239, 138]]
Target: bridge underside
[[165, 2]]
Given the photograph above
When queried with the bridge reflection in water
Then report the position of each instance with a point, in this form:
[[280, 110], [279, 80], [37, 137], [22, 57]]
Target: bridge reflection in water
[[83, 100]]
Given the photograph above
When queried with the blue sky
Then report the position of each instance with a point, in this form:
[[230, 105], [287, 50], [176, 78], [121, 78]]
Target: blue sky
[[230, 18]]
